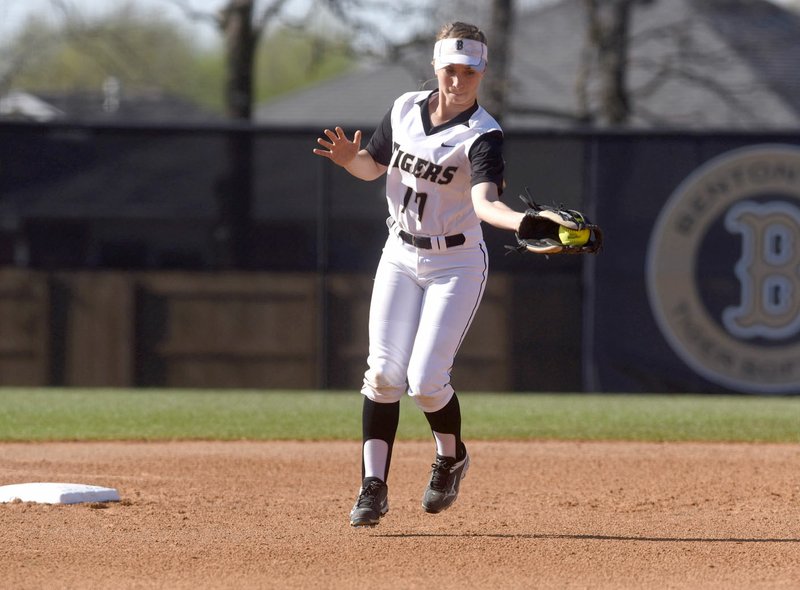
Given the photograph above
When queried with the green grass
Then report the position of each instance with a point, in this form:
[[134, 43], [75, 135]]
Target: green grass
[[635, 417], [28, 414]]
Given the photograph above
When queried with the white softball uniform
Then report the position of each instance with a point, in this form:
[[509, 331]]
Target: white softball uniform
[[433, 270]]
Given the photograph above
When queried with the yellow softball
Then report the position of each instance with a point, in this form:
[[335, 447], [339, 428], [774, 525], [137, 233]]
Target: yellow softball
[[573, 237]]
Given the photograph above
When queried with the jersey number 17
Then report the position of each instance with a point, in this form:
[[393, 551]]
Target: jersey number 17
[[420, 199]]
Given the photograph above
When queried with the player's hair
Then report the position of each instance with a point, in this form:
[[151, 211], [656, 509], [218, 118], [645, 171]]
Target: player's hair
[[459, 30]]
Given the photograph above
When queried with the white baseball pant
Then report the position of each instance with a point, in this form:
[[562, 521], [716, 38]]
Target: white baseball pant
[[423, 303]]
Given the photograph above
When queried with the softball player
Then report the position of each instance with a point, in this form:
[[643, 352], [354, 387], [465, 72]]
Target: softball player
[[442, 156]]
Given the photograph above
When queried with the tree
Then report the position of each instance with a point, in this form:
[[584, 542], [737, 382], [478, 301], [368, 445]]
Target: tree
[[146, 51], [606, 45], [621, 66], [243, 24], [367, 24], [25, 49], [133, 46], [500, 31]]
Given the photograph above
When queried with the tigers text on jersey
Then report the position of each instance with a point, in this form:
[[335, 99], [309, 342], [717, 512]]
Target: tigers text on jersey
[[432, 169]]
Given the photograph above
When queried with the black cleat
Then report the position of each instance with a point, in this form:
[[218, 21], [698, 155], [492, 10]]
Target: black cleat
[[372, 503], [446, 476]]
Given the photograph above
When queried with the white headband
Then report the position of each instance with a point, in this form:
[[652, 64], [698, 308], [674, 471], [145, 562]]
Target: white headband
[[460, 51]]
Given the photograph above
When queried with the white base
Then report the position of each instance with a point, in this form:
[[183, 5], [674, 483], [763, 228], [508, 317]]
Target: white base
[[57, 493]]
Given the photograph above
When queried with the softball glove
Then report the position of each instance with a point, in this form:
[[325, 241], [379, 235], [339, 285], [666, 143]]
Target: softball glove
[[548, 229]]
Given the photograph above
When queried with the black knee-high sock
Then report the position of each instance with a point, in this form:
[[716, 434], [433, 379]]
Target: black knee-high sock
[[448, 421], [379, 421]]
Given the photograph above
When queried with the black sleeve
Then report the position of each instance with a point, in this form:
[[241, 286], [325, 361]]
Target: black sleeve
[[486, 157], [380, 144]]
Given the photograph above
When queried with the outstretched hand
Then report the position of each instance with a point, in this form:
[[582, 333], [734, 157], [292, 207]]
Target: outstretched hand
[[339, 149]]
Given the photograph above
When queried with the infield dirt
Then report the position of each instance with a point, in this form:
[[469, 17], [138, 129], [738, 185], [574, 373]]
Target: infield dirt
[[531, 515]]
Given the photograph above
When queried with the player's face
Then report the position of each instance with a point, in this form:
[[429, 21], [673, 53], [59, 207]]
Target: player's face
[[458, 84]]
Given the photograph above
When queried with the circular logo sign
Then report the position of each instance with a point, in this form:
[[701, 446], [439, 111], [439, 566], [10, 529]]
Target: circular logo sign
[[723, 270]]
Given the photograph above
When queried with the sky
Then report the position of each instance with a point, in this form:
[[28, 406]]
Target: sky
[[14, 12]]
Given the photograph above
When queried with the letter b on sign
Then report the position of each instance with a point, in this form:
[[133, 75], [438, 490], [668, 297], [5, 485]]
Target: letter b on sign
[[768, 270]]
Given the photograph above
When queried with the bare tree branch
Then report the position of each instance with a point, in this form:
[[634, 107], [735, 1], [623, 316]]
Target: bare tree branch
[[68, 10], [196, 15], [267, 14], [496, 82], [549, 112], [682, 60]]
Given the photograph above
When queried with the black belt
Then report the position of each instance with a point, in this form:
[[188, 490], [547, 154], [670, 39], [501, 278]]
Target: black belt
[[425, 243]]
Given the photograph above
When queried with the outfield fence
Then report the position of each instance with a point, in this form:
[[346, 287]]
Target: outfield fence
[[231, 256]]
